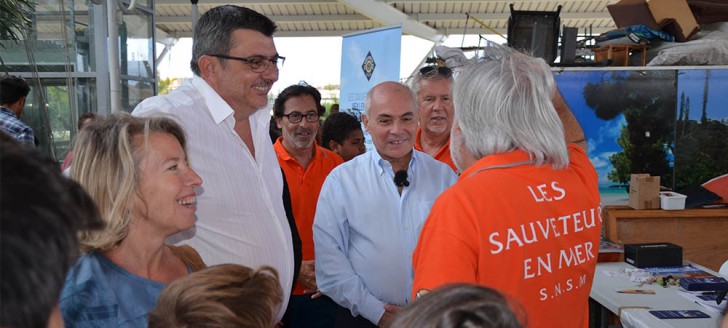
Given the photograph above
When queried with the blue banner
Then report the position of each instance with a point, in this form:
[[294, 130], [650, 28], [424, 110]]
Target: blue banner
[[367, 59]]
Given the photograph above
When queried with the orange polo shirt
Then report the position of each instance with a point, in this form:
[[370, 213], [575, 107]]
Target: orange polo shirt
[[305, 187], [442, 155], [528, 231]]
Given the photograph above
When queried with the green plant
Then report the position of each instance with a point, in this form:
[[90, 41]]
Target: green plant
[[165, 86], [14, 19]]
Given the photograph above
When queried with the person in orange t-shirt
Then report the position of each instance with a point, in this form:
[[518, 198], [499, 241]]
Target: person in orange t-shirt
[[524, 217], [433, 87], [306, 165]]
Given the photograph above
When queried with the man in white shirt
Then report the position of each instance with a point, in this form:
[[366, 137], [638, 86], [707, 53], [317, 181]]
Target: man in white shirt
[[240, 214], [370, 212]]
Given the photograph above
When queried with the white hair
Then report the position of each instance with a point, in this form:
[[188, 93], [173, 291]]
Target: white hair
[[504, 103]]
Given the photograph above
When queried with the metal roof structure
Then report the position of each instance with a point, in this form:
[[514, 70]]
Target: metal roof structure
[[429, 19]]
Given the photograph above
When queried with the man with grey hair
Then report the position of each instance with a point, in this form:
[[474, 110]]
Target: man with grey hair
[[370, 211], [524, 216], [240, 213], [433, 86]]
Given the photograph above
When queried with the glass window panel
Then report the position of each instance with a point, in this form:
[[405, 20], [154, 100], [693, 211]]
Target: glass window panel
[[133, 92], [137, 46], [53, 121], [48, 38]]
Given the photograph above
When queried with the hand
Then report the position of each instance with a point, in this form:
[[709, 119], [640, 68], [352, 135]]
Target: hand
[[389, 312], [307, 276]]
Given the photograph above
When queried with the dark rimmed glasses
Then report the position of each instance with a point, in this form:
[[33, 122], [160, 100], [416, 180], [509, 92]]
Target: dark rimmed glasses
[[297, 117], [434, 69], [258, 64]]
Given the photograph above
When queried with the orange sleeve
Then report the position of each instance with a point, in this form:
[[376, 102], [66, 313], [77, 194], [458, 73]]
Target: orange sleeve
[[447, 250], [579, 160]]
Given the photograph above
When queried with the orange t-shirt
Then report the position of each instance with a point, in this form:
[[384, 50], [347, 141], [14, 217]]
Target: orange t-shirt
[[305, 187], [530, 232], [442, 155]]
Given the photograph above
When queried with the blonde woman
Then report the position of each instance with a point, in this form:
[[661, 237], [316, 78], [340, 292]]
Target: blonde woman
[[136, 169]]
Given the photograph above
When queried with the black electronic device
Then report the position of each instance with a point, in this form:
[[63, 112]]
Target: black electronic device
[[653, 255], [535, 32]]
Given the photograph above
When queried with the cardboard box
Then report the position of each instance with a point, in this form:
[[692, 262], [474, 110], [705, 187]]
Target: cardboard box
[[644, 192], [671, 16], [620, 54], [653, 254]]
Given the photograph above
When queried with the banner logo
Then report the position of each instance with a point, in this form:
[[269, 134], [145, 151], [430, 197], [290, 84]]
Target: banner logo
[[368, 65]]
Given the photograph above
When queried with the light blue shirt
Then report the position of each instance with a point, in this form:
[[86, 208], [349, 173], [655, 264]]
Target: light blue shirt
[[364, 232]]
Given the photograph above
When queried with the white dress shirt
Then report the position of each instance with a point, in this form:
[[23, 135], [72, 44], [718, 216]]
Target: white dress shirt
[[364, 232], [240, 214]]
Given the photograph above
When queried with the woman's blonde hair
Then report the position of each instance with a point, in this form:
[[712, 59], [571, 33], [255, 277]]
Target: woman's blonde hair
[[221, 296], [106, 163]]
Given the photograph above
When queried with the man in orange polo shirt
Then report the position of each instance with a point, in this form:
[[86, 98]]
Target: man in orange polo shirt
[[433, 87], [306, 165], [524, 216]]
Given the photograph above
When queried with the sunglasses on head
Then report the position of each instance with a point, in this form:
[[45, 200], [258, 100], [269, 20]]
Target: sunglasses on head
[[439, 70]]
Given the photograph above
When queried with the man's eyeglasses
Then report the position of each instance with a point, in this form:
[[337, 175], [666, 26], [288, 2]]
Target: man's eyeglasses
[[257, 64], [297, 117], [434, 69]]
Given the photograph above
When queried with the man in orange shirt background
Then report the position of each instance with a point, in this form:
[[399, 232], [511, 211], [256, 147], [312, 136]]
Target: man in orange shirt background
[[524, 216], [433, 87], [306, 165]]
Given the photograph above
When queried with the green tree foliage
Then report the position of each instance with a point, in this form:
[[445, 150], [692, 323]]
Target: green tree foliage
[[14, 19], [165, 86], [647, 100], [700, 148]]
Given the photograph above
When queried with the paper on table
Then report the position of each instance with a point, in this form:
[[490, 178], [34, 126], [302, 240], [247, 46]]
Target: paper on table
[[707, 301], [615, 274], [633, 318]]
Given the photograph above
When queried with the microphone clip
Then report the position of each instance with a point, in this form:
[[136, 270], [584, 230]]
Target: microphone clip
[[400, 179]]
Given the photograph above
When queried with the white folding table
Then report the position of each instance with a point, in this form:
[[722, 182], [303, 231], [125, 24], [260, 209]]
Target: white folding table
[[627, 306]]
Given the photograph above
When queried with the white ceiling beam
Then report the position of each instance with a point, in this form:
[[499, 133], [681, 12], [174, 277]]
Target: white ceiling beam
[[504, 16], [472, 1], [278, 19], [388, 15], [312, 33], [484, 31], [447, 32], [243, 2]]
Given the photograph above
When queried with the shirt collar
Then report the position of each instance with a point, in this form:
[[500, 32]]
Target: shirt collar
[[218, 107], [418, 143], [284, 155], [512, 158], [7, 111], [383, 166]]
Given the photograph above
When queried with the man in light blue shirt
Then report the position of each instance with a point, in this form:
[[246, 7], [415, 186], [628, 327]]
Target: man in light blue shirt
[[370, 212]]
